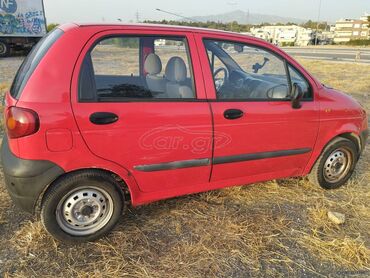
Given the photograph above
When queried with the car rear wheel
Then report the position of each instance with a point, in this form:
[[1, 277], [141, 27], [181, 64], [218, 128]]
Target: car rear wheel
[[82, 206], [335, 165], [4, 49]]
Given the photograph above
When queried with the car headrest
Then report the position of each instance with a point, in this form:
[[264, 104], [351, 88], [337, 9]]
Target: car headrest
[[153, 64], [176, 69]]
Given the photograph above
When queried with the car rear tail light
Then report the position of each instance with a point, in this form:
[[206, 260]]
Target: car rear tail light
[[21, 122]]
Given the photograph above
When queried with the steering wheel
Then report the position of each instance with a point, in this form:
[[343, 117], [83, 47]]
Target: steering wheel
[[219, 82]]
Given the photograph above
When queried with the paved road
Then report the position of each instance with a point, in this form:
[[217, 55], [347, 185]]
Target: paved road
[[361, 55]]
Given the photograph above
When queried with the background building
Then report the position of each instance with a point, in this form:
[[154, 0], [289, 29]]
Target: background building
[[352, 29], [284, 34], [365, 17]]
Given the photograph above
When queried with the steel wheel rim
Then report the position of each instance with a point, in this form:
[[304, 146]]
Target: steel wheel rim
[[84, 211], [337, 165], [2, 48]]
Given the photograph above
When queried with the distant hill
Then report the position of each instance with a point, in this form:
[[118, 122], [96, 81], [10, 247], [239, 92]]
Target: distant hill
[[242, 17]]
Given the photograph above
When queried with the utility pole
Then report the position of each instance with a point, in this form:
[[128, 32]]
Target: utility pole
[[318, 19], [137, 15], [232, 4]]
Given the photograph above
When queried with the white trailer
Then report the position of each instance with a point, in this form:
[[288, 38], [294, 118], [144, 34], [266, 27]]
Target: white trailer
[[22, 24]]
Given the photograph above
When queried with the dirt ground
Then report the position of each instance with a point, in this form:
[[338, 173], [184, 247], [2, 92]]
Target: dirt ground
[[271, 229]]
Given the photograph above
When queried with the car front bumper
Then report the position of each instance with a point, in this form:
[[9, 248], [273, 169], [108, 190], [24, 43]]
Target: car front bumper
[[26, 179]]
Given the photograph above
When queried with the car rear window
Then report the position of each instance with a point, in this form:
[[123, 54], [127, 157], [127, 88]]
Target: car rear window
[[30, 63]]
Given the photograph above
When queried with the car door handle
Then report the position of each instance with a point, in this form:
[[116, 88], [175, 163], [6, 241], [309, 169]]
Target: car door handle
[[232, 114], [103, 118]]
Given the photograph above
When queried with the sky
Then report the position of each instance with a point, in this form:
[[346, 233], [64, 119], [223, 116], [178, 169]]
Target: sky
[[61, 11]]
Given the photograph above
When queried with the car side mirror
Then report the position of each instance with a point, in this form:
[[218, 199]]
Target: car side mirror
[[296, 96], [278, 92]]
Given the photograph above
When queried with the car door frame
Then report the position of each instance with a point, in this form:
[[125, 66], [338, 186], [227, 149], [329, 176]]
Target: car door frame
[[194, 56], [140, 196], [250, 41], [289, 61]]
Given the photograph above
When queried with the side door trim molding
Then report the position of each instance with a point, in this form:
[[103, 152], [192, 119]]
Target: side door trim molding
[[257, 156], [218, 160], [173, 165]]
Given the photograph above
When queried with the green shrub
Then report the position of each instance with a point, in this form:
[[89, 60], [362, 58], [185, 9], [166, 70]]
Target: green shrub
[[287, 44], [51, 26], [358, 42]]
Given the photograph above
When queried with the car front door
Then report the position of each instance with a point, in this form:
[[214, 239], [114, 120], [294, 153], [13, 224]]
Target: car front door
[[135, 97], [250, 89]]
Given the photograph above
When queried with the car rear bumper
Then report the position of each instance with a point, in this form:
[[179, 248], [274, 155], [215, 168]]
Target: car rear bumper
[[26, 179]]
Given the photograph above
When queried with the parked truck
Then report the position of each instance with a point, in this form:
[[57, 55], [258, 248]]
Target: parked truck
[[22, 25]]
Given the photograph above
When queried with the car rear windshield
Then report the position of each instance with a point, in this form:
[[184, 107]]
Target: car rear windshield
[[33, 59]]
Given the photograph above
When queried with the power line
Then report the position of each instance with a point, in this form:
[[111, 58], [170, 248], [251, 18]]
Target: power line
[[178, 15]]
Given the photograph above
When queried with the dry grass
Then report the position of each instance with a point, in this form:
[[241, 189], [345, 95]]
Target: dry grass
[[4, 206], [4, 86], [348, 77], [347, 252], [267, 229]]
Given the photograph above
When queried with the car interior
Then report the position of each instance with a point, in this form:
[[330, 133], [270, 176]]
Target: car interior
[[174, 84], [239, 83]]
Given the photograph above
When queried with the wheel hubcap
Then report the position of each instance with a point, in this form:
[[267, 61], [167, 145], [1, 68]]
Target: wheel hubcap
[[84, 211], [337, 165]]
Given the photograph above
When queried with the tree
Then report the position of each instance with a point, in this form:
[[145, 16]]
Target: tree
[[51, 26], [231, 26], [313, 25]]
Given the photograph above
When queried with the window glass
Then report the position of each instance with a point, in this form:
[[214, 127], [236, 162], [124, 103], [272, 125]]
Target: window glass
[[214, 61], [247, 72], [167, 48], [32, 61], [216, 64], [296, 77], [120, 68], [116, 56]]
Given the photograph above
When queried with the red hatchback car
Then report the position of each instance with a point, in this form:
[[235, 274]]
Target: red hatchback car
[[99, 116]]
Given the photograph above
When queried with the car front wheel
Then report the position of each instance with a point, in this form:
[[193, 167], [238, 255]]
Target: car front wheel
[[82, 206], [335, 165]]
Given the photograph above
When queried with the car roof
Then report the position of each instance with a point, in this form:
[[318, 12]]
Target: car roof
[[164, 27]]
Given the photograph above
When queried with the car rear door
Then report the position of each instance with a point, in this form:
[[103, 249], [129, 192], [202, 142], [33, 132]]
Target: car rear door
[[268, 138], [163, 140]]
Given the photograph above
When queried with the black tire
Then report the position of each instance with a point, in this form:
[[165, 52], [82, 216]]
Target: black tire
[[4, 49], [67, 186], [317, 175]]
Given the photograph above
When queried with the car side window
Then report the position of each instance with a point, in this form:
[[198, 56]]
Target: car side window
[[116, 57], [297, 77], [124, 68], [248, 72]]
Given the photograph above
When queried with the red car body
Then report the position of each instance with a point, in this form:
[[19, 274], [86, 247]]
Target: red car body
[[270, 141]]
